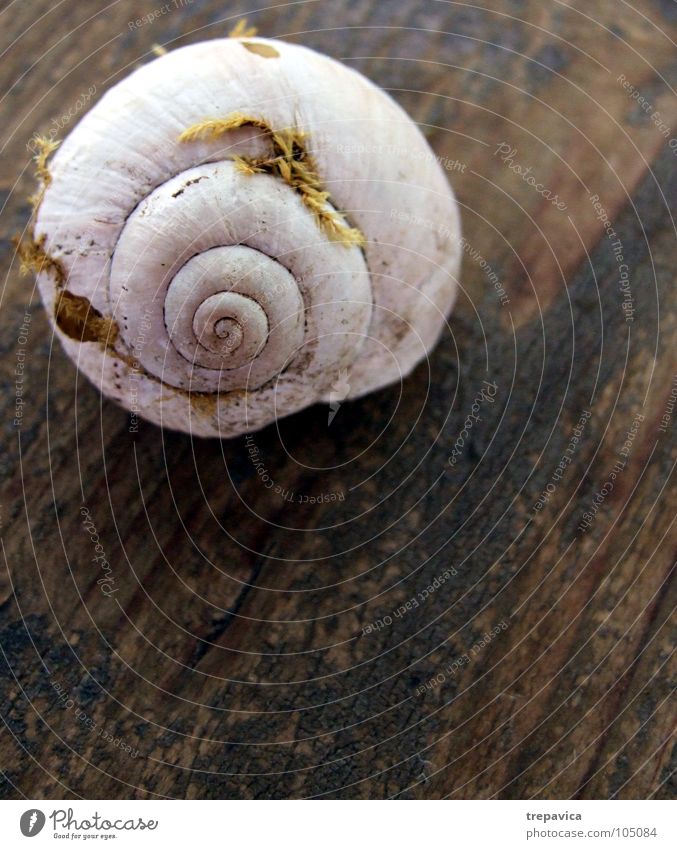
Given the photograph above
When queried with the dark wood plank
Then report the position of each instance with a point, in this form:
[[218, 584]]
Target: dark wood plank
[[251, 647]]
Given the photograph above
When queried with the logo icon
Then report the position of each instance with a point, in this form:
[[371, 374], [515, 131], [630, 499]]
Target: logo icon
[[31, 822], [339, 392]]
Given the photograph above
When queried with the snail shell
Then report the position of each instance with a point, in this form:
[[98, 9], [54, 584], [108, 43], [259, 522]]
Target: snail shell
[[236, 226]]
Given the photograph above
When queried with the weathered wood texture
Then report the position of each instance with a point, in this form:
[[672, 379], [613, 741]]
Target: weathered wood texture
[[236, 654]]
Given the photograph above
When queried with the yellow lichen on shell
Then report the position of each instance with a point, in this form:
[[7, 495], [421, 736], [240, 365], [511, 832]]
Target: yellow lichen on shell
[[290, 161]]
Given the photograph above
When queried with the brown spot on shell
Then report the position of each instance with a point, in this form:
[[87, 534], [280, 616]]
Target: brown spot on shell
[[264, 50], [78, 319]]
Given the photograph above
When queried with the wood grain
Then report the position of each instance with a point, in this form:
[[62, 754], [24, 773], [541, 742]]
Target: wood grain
[[251, 648]]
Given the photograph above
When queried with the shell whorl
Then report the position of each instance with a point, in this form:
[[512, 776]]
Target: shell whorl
[[215, 215], [214, 250]]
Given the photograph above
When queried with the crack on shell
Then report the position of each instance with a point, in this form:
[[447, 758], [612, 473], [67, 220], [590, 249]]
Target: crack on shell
[[189, 183]]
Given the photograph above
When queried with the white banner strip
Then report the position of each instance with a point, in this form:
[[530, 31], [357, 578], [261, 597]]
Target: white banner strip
[[340, 824]]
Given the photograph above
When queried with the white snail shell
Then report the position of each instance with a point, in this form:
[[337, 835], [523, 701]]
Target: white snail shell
[[226, 301]]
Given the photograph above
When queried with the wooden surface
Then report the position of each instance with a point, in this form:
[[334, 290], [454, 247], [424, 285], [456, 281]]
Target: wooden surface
[[241, 653]]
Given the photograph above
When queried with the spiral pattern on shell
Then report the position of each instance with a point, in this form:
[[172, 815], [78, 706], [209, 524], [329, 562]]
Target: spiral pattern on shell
[[231, 228]]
